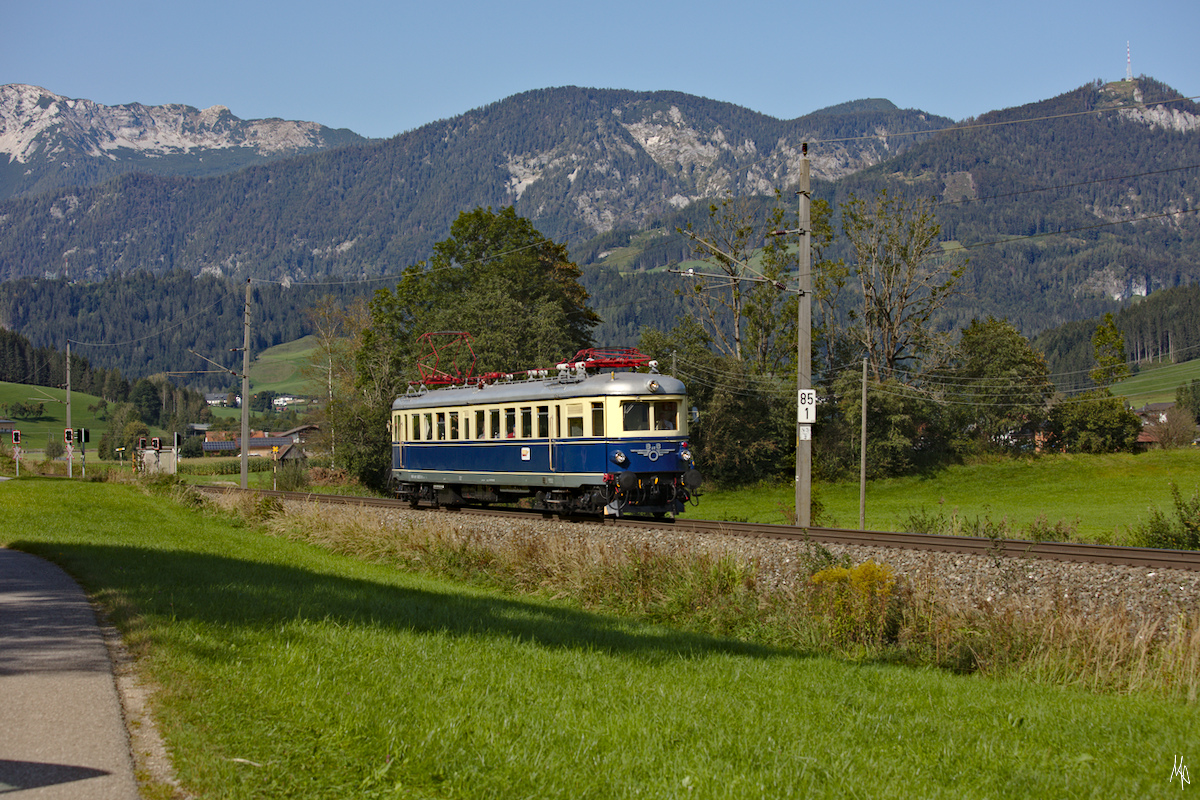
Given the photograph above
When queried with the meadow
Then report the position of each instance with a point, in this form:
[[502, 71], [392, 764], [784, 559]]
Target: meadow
[[53, 420], [286, 670], [1097, 497]]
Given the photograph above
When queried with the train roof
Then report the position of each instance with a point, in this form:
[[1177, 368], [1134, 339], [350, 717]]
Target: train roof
[[544, 389]]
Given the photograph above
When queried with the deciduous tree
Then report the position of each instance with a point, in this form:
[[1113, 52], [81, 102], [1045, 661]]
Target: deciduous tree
[[999, 380], [495, 277], [905, 278]]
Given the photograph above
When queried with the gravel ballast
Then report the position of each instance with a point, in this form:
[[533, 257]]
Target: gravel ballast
[[1143, 595]]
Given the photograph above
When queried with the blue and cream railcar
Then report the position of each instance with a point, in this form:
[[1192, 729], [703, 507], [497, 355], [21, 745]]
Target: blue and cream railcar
[[616, 442]]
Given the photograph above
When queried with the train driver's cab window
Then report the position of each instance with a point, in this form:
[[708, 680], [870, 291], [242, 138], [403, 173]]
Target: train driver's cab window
[[635, 415], [666, 416], [597, 419], [575, 419]]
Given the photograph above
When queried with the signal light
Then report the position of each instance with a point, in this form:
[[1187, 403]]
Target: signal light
[[16, 437], [141, 443], [68, 436], [156, 443]]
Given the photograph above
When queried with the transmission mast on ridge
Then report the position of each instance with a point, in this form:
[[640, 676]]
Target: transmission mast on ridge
[[1128, 64]]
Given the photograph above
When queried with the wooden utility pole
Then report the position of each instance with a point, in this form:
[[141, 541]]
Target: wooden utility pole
[[71, 444], [862, 458], [246, 388]]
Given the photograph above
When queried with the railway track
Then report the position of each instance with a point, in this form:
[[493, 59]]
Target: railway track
[[980, 546]]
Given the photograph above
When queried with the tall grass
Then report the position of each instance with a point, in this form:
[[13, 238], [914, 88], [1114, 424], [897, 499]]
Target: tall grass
[[853, 611]]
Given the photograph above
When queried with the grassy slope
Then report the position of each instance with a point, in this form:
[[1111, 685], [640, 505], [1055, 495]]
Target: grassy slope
[[277, 369], [1106, 494], [53, 421], [337, 678], [1157, 383]]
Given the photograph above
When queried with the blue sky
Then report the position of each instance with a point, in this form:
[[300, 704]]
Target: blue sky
[[381, 68]]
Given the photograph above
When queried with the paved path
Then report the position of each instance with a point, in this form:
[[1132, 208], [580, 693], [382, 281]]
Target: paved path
[[62, 734]]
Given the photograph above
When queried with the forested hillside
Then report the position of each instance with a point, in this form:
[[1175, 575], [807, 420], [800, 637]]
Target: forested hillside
[[1164, 327], [1072, 163], [577, 162], [144, 323]]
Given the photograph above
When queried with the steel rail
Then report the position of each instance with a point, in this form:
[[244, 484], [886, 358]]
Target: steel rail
[[968, 545]]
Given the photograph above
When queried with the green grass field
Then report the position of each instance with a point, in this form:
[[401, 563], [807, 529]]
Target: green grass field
[[285, 671], [1100, 495], [278, 369], [53, 421], [1156, 383]]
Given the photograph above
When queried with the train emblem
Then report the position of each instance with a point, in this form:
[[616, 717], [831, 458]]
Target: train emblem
[[653, 451]]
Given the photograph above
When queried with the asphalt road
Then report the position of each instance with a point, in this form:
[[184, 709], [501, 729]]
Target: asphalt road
[[62, 732]]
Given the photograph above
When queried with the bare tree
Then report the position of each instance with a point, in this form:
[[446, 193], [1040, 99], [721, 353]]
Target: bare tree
[[743, 309], [1176, 429], [905, 276]]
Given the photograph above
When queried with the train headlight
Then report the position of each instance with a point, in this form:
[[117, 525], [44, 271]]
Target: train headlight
[[620, 458], [686, 455]]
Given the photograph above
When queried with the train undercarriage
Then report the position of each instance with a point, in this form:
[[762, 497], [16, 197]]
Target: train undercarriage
[[622, 494]]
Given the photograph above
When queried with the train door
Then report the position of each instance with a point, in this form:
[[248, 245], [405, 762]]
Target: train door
[[555, 437]]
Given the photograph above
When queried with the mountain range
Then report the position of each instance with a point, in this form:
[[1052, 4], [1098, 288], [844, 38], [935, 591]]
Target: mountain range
[[53, 141], [1068, 206]]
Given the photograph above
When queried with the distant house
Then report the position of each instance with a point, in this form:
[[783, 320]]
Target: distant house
[[285, 400], [261, 442], [1154, 412]]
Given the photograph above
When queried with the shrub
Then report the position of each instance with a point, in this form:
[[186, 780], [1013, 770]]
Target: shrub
[[859, 603], [291, 477], [1182, 533]]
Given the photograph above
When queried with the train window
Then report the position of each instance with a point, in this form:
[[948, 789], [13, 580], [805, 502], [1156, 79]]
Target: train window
[[575, 419], [666, 416], [453, 424], [415, 431], [427, 426], [494, 417], [510, 423], [480, 428], [543, 422], [597, 419], [557, 422], [441, 425], [527, 423], [636, 415]]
